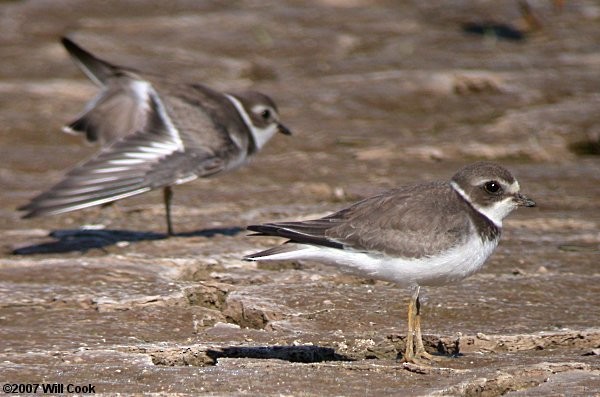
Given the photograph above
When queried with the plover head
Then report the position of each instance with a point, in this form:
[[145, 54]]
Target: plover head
[[490, 189]]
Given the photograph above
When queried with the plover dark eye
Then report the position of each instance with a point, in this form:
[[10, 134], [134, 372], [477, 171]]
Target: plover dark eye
[[492, 187], [265, 114]]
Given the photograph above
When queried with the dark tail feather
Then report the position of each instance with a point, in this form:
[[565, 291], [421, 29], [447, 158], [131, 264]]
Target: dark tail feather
[[82, 126], [274, 229], [271, 251]]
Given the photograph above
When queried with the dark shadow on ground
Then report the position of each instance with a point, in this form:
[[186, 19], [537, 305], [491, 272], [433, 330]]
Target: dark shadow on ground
[[296, 354], [72, 240], [493, 29]]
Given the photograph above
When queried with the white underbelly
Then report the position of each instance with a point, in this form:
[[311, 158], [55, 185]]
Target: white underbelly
[[452, 265]]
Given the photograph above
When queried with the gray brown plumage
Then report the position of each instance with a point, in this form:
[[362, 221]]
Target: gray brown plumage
[[155, 133], [426, 234]]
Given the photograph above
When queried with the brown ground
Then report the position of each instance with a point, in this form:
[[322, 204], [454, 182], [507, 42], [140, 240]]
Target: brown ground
[[378, 93]]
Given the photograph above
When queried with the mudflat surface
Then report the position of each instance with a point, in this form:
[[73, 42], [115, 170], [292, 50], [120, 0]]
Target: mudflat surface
[[378, 94]]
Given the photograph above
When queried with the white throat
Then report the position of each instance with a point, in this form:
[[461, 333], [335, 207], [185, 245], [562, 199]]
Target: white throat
[[495, 213], [259, 135]]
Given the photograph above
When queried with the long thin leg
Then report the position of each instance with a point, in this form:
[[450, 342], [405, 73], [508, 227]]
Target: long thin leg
[[409, 352], [168, 195], [420, 349]]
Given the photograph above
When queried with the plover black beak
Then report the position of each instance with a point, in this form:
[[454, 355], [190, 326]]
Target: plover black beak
[[523, 201], [283, 129]]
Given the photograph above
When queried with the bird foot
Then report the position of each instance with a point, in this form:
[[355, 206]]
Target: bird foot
[[424, 355], [419, 358], [422, 358]]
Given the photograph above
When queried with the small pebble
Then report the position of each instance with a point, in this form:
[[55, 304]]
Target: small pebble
[[226, 325]]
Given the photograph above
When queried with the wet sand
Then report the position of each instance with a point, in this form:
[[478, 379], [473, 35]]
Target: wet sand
[[378, 94]]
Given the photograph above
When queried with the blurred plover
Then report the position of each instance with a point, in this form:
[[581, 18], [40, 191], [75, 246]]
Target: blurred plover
[[155, 133]]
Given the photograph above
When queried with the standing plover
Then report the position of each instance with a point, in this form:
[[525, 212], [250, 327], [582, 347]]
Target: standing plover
[[427, 234]]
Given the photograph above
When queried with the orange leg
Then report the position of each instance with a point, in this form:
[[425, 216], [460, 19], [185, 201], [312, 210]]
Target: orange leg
[[415, 350], [420, 349], [409, 353]]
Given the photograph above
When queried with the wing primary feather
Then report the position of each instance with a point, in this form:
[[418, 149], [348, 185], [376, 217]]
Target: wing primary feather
[[272, 251], [275, 229], [96, 69]]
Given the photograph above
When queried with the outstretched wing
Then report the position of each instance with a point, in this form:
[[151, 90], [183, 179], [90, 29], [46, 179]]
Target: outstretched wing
[[96, 69], [120, 108], [134, 164]]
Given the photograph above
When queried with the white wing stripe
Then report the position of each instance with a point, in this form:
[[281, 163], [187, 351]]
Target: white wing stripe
[[107, 170], [127, 161], [173, 133], [97, 202]]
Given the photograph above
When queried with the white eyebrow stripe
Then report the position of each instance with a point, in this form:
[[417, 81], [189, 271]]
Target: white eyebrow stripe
[[514, 187], [481, 181]]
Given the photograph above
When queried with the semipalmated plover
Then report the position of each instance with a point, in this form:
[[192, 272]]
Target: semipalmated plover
[[419, 235], [155, 133]]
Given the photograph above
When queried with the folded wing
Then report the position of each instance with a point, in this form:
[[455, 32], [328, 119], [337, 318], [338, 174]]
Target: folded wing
[[392, 223]]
